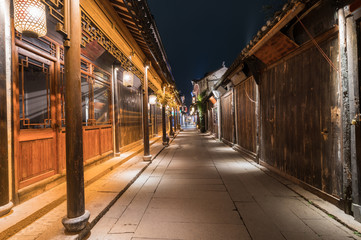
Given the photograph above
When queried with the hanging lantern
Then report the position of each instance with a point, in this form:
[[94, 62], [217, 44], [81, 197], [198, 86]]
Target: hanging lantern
[[128, 78], [30, 18], [152, 99]]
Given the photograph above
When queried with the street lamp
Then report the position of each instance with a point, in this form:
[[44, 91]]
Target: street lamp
[[30, 18]]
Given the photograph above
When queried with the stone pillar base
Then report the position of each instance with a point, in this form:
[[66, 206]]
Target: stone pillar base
[[76, 224], [117, 154], [6, 208], [356, 209], [147, 158]]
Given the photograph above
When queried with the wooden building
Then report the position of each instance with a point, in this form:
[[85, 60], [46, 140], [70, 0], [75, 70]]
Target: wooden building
[[203, 91], [116, 36], [296, 98]]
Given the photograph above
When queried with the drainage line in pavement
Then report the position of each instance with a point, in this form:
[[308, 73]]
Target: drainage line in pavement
[[85, 232]]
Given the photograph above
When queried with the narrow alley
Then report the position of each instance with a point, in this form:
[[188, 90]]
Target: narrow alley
[[180, 120], [199, 188]]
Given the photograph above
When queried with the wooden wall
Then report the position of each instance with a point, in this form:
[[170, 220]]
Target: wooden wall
[[37, 159], [301, 118], [245, 97], [97, 141], [227, 117]]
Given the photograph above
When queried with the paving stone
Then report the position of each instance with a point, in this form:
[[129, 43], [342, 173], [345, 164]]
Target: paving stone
[[188, 215], [192, 181], [103, 227], [191, 231], [117, 210], [300, 235], [153, 239], [163, 186], [188, 203], [123, 236], [238, 191], [133, 214], [327, 228], [196, 194], [258, 223]]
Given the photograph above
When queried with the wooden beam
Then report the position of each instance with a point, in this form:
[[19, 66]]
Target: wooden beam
[[288, 17], [345, 115]]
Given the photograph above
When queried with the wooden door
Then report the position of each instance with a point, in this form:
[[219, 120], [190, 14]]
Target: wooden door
[[246, 114], [34, 118], [227, 117]]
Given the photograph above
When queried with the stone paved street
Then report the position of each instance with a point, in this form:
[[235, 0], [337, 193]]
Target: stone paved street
[[199, 188]]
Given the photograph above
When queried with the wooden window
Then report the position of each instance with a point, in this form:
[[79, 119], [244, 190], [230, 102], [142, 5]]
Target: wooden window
[[34, 93], [101, 96], [86, 96], [42, 44], [96, 94]]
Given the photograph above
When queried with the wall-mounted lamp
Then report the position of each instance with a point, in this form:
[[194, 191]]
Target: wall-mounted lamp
[[152, 99], [128, 78], [30, 18]]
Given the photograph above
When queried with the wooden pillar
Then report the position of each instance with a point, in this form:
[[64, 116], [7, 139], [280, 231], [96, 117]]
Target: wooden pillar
[[353, 87], [77, 216], [116, 113], [147, 156], [219, 116], [258, 124], [171, 124], [174, 120], [164, 127], [234, 121], [5, 204], [345, 106]]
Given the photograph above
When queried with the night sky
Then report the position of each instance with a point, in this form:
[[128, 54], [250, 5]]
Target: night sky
[[198, 35]]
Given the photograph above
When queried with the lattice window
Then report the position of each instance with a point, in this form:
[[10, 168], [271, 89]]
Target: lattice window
[[43, 44], [55, 9], [34, 93], [102, 96]]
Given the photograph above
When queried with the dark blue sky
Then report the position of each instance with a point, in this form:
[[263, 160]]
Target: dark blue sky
[[198, 35]]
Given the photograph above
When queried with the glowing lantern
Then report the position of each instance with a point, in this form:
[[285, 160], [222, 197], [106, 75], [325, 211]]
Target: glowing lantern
[[30, 17], [128, 78], [152, 99]]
